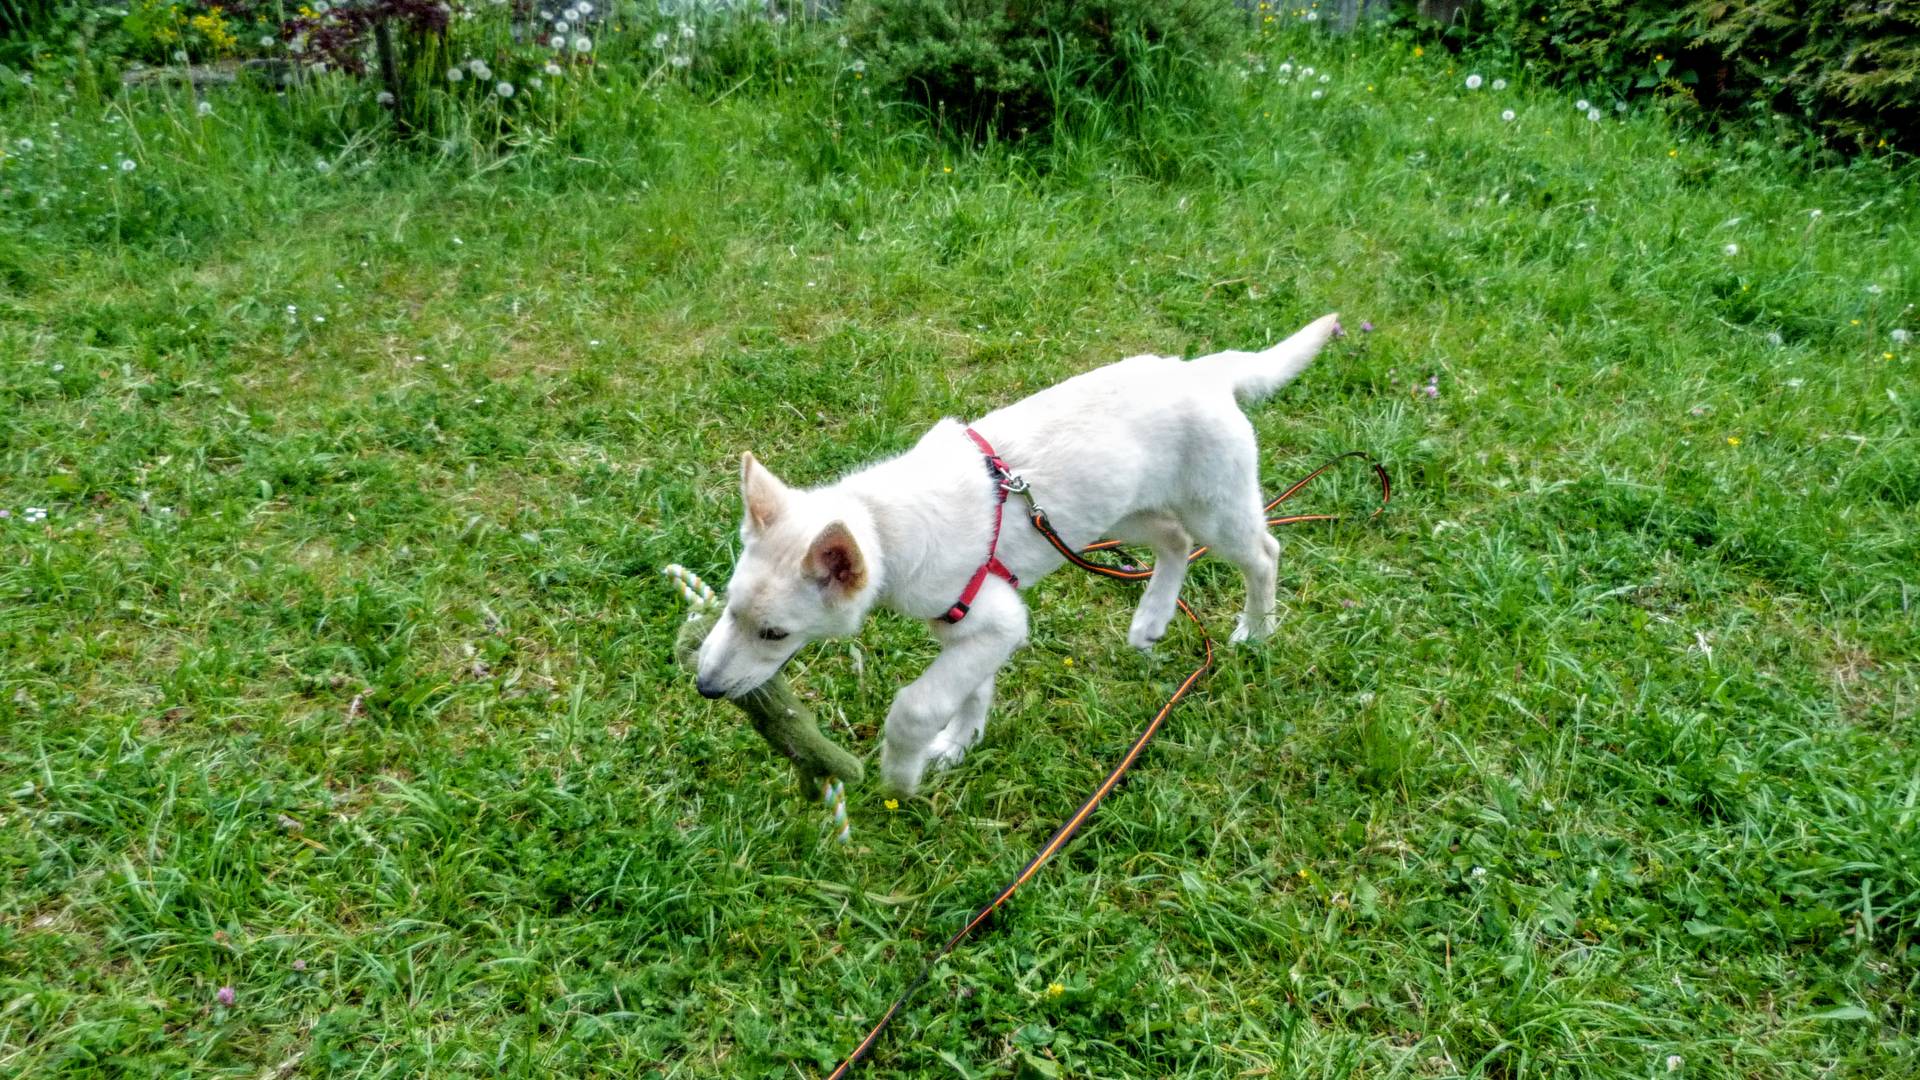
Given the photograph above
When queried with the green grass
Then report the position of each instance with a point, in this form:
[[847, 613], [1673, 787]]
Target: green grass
[[338, 672]]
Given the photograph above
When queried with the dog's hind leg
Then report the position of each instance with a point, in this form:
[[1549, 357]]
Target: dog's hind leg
[[1236, 530], [1170, 545], [1249, 546]]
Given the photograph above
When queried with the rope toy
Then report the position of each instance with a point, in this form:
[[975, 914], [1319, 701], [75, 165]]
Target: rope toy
[[776, 711]]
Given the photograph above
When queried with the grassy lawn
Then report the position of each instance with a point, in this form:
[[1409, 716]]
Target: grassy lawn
[[338, 670]]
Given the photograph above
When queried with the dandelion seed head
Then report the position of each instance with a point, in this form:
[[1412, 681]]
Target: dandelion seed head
[[1731, 249], [1499, 84], [1582, 105], [1507, 116], [1473, 82], [503, 88]]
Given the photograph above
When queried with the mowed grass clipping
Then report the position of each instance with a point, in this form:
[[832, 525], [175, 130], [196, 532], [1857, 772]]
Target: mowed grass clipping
[[337, 672]]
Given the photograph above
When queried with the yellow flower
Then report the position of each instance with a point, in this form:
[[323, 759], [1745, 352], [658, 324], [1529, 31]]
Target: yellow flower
[[1054, 989], [1673, 153], [1733, 440], [1068, 661], [1369, 88], [1856, 322], [946, 168], [1418, 51], [1658, 57], [892, 804], [1886, 356]]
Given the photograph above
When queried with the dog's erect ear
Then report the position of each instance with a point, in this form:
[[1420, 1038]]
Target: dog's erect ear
[[835, 560], [762, 492]]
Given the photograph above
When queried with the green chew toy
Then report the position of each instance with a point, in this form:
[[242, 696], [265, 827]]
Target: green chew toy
[[776, 711]]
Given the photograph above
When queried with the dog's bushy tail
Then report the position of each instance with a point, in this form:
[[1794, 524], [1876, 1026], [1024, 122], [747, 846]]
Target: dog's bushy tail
[[1257, 375]]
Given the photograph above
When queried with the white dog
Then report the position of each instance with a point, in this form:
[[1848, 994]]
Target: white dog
[[1152, 450]]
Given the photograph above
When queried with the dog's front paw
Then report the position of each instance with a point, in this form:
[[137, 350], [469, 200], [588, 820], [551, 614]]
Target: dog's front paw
[[1146, 631], [900, 772], [1251, 629]]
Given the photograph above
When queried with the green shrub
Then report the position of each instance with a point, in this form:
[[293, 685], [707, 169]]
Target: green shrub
[[991, 67], [1850, 69]]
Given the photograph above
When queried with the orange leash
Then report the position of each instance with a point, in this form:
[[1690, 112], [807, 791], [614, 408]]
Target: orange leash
[[1068, 828]]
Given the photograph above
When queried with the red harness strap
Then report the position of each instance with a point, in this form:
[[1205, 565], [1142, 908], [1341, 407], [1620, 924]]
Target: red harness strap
[[1002, 476]]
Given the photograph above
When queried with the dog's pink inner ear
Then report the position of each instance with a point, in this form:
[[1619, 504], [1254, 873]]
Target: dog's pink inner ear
[[835, 558], [762, 491]]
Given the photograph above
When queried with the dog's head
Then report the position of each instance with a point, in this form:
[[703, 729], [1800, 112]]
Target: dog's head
[[801, 576]]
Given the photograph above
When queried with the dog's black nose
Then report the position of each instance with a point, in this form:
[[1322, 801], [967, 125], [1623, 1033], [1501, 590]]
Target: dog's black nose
[[707, 689]]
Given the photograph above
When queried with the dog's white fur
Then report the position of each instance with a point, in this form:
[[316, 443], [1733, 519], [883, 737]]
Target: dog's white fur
[[1152, 450]]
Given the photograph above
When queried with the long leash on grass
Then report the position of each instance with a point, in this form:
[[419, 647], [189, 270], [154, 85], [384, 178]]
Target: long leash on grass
[[1038, 519]]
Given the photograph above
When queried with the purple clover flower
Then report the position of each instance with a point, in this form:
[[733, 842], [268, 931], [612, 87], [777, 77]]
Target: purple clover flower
[[224, 995]]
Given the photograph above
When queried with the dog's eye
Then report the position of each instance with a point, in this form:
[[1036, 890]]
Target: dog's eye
[[771, 634]]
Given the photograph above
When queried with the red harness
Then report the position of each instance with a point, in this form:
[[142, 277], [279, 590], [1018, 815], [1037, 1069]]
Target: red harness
[[1003, 482]]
